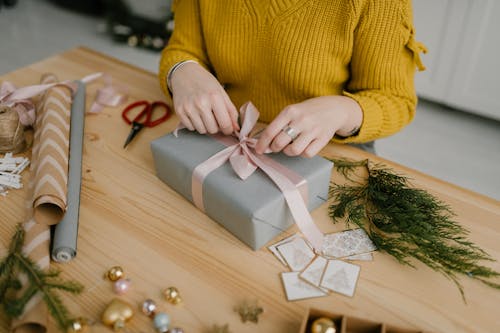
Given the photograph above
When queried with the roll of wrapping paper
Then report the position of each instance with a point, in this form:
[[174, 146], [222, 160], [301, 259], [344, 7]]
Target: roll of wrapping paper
[[47, 186], [66, 231], [50, 151], [35, 316]]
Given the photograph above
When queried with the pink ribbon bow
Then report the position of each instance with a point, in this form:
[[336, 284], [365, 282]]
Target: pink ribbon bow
[[244, 162]]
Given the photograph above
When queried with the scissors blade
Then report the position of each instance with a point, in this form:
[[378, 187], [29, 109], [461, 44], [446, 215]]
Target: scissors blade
[[136, 127]]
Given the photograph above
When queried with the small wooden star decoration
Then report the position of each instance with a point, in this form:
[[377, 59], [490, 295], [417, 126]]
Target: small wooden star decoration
[[249, 311], [220, 329]]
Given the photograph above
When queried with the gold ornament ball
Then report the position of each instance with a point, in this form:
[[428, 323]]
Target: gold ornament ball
[[172, 295], [115, 273], [117, 313], [78, 325], [323, 325]]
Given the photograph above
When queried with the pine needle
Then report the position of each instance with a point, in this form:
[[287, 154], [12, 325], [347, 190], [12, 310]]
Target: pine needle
[[407, 223], [39, 281]]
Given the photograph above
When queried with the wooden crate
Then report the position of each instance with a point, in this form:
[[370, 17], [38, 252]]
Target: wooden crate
[[348, 324]]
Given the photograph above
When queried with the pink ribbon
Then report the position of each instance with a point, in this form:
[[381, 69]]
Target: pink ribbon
[[244, 162], [20, 99], [109, 95]]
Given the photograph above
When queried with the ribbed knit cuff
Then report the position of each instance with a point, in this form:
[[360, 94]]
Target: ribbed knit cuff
[[372, 120]]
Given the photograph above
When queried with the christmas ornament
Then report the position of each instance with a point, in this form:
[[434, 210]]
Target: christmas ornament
[[78, 325], [149, 307], [121, 286], [161, 321], [117, 313], [249, 311], [115, 273], [323, 325], [172, 295]]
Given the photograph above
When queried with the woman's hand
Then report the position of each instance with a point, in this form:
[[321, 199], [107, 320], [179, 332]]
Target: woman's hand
[[200, 101], [314, 122]]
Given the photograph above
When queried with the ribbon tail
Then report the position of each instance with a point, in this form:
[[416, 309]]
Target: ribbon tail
[[202, 170], [91, 77], [295, 202], [30, 91], [6, 88], [95, 108]]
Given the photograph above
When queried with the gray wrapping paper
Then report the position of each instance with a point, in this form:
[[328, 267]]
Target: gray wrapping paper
[[253, 210], [66, 231]]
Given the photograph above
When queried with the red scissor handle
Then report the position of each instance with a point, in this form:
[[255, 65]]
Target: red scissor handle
[[148, 112], [154, 105], [145, 111]]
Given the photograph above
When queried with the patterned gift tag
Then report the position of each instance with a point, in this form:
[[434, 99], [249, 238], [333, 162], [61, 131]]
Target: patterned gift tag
[[297, 289], [314, 271], [347, 243], [296, 253], [340, 277]]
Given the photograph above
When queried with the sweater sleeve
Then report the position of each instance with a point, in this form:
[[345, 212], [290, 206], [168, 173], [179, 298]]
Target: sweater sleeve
[[186, 42], [382, 67]]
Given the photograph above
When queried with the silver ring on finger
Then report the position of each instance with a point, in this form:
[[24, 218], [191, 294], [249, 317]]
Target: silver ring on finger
[[291, 132]]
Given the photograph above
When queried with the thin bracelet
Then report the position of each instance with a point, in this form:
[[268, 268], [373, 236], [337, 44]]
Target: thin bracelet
[[172, 71]]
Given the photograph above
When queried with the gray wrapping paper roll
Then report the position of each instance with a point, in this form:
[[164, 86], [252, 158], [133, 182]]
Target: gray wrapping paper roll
[[66, 231]]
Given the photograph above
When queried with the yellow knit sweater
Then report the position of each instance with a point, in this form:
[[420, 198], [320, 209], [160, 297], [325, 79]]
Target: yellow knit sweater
[[280, 52]]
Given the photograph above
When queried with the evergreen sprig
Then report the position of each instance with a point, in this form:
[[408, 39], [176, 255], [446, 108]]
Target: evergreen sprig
[[14, 297], [407, 222]]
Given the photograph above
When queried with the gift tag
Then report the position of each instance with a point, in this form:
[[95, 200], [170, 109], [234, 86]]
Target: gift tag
[[340, 277], [347, 243], [361, 257], [297, 254], [297, 289], [314, 271], [274, 250]]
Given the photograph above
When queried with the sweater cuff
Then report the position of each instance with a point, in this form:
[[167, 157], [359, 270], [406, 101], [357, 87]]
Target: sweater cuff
[[372, 120]]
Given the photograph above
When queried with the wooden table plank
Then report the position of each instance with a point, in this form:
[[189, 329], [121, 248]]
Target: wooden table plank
[[130, 218]]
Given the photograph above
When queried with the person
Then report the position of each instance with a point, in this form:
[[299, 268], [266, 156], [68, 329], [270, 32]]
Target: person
[[317, 70]]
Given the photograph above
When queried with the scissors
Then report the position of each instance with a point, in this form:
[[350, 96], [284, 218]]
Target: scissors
[[148, 109]]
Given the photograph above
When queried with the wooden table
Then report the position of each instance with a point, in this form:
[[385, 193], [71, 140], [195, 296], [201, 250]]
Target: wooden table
[[130, 218]]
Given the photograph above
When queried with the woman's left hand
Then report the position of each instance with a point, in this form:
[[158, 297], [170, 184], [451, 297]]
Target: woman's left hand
[[313, 123]]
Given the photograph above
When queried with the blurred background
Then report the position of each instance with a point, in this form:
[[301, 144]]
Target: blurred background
[[456, 132]]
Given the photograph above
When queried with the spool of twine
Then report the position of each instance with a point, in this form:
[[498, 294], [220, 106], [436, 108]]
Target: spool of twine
[[11, 131]]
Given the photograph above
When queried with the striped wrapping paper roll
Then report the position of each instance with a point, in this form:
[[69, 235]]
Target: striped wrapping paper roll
[[47, 192], [50, 153]]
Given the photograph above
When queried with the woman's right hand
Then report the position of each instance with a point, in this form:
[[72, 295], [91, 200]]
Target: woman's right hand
[[200, 101]]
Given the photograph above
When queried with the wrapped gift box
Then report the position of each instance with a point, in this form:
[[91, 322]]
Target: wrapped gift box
[[348, 324], [254, 210]]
